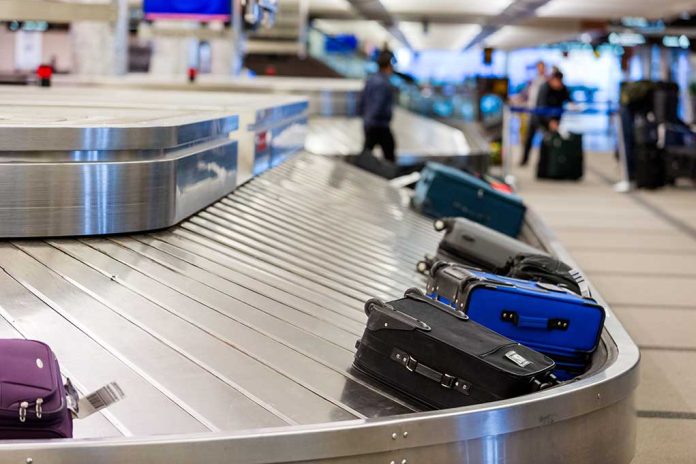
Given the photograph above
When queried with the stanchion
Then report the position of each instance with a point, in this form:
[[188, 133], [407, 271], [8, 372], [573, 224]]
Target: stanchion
[[625, 185], [507, 147]]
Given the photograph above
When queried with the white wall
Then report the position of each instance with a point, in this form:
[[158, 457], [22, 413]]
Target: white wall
[[7, 51], [92, 45], [54, 44]]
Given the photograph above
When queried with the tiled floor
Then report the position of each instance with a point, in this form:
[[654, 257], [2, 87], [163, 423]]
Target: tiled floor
[[639, 249]]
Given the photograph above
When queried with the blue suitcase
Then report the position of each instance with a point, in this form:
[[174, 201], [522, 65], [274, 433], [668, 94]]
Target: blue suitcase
[[444, 191], [547, 318]]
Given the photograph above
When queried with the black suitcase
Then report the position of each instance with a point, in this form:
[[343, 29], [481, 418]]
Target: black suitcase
[[467, 242], [382, 167], [440, 358], [650, 161], [680, 162], [561, 158]]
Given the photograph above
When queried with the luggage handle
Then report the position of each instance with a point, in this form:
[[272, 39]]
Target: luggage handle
[[530, 322], [403, 321], [416, 294]]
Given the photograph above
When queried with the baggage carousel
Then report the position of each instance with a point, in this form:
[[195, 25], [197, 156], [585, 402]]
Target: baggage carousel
[[334, 126], [230, 323]]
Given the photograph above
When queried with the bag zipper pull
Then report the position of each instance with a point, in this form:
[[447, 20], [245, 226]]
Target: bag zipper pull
[[23, 406], [39, 410]]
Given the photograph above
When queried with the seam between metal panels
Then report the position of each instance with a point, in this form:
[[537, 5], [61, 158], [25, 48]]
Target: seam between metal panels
[[267, 334], [165, 391]]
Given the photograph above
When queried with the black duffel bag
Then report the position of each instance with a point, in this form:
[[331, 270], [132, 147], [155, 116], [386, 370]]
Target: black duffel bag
[[547, 269]]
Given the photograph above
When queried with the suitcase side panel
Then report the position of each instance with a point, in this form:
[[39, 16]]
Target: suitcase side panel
[[30, 374], [443, 195], [486, 247], [541, 321], [467, 352]]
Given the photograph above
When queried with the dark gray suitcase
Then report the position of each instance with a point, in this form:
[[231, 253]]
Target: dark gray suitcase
[[440, 358], [467, 242]]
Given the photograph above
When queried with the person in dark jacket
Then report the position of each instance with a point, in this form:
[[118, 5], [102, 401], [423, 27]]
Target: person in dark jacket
[[376, 109], [552, 96]]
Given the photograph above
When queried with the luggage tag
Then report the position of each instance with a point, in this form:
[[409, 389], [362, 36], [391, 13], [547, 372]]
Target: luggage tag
[[94, 402]]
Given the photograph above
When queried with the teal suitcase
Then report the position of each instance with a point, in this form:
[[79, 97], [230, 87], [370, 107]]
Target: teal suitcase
[[444, 191]]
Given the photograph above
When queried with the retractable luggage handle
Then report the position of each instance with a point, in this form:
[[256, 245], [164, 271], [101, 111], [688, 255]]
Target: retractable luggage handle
[[376, 304], [416, 294]]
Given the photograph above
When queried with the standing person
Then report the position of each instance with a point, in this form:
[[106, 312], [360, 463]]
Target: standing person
[[376, 108], [532, 104], [552, 96]]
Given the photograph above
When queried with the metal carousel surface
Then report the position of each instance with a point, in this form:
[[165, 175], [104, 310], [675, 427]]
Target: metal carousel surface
[[230, 321]]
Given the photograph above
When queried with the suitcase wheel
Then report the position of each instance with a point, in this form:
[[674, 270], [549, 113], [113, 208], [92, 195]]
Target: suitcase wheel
[[415, 292], [372, 302]]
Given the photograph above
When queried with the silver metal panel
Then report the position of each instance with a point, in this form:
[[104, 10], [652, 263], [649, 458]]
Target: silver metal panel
[[418, 139], [76, 161], [48, 127], [241, 334], [327, 97], [54, 199]]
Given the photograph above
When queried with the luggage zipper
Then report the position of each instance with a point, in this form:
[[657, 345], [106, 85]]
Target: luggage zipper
[[23, 410], [24, 406]]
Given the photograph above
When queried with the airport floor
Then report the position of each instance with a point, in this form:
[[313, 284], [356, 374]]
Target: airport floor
[[639, 250]]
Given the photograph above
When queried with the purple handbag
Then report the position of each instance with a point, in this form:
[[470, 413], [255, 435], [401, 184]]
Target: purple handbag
[[33, 401]]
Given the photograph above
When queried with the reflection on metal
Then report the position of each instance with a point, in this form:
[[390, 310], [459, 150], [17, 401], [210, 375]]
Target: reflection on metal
[[327, 97], [83, 162], [418, 139], [241, 322]]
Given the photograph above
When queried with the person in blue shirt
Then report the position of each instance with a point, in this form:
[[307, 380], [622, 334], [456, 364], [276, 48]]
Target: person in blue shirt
[[376, 109]]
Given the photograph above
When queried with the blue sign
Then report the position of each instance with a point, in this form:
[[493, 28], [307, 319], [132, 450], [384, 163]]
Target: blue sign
[[341, 43], [198, 10]]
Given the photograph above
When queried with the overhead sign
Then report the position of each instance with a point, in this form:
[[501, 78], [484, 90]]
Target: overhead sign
[[192, 10]]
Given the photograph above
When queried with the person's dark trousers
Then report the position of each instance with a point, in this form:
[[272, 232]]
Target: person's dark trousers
[[383, 137], [534, 126]]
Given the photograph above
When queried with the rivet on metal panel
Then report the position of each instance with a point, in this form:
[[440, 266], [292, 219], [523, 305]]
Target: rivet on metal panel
[[405, 434], [404, 461], [599, 396], [392, 462], [394, 436], [30, 460]]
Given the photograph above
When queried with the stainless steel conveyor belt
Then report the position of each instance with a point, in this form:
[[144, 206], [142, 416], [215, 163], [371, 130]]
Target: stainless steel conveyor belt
[[233, 334]]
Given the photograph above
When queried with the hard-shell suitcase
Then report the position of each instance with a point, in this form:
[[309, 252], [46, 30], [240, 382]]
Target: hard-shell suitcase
[[442, 359], [561, 158], [444, 191], [467, 242], [545, 317], [33, 400]]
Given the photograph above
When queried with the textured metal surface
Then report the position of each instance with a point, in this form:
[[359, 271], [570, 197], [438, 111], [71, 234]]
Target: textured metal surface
[[418, 139], [244, 318], [87, 162]]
